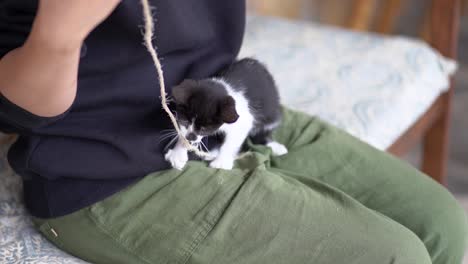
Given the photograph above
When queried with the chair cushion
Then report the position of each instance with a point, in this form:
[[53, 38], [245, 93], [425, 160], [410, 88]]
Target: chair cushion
[[19, 241], [372, 86]]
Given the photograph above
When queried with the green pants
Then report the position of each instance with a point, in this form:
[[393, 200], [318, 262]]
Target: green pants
[[333, 199]]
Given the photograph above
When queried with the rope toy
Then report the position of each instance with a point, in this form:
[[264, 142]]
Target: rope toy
[[148, 38]]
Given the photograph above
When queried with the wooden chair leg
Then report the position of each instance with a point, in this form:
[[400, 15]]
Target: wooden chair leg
[[464, 7], [426, 27], [444, 32], [361, 14], [331, 12], [391, 10], [435, 144], [289, 9]]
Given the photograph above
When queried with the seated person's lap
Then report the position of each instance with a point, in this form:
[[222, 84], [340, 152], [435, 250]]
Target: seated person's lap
[[331, 199], [377, 180]]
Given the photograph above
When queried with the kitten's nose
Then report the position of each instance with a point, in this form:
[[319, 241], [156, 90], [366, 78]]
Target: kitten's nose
[[191, 136]]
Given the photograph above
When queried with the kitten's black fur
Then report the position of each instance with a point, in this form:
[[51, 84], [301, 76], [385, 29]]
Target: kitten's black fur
[[207, 103]]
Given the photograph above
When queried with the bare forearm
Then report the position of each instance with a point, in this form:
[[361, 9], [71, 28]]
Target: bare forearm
[[41, 75]]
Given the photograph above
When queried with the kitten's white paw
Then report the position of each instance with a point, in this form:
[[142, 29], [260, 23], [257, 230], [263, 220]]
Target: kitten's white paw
[[277, 148], [212, 155], [222, 163], [177, 157]]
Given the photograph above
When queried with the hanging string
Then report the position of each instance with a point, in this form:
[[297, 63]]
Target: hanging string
[[148, 38]]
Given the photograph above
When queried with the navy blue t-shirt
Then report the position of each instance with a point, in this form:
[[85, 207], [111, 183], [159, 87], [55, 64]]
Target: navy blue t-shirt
[[109, 138]]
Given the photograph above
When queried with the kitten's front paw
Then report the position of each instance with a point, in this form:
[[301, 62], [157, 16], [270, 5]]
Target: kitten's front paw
[[277, 148], [212, 155], [222, 163], [177, 158]]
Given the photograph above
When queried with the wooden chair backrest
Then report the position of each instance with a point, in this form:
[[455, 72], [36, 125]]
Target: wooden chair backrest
[[441, 17], [445, 26]]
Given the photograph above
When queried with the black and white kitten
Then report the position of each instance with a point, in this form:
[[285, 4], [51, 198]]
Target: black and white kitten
[[242, 101]]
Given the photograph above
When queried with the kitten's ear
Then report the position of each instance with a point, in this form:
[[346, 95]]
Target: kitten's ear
[[181, 92], [228, 110]]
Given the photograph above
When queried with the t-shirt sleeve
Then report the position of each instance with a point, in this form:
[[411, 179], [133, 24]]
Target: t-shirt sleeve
[[14, 119], [16, 18]]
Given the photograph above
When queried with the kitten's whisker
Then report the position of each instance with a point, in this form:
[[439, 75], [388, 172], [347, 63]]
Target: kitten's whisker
[[165, 132], [204, 146], [169, 129], [170, 142], [199, 147], [166, 136], [176, 137]]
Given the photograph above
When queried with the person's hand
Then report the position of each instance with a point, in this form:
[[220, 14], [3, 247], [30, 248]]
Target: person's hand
[[68, 22]]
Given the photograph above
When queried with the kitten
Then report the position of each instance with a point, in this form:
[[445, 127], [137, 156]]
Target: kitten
[[242, 101]]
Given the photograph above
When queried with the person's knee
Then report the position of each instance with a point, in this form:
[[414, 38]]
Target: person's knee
[[444, 228]]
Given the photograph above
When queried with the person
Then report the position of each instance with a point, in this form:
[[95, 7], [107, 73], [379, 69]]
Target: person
[[81, 91]]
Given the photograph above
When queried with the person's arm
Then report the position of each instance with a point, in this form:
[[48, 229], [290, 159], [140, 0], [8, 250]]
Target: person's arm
[[40, 77]]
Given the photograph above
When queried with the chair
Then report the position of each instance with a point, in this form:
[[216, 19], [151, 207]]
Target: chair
[[432, 125]]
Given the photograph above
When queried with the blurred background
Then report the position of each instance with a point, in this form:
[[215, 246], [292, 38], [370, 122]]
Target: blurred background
[[399, 17]]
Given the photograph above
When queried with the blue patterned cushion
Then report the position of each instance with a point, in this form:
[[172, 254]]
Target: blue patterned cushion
[[19, 242], [374, 87]]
